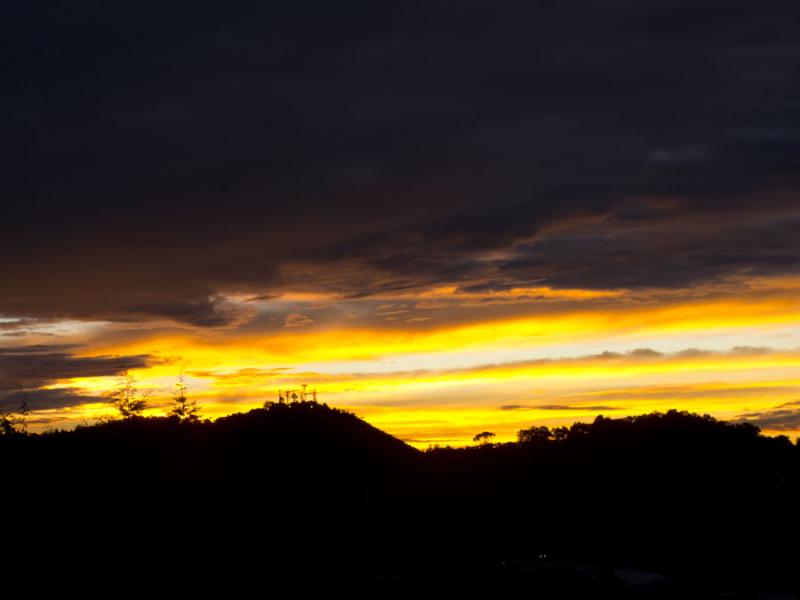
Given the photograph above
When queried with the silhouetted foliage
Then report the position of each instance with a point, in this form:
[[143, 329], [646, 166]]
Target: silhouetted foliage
[[182, 407], [318, 491], [127, 398], [6, 423], [483, 438], [22, 419], [15, 423], [535, 436]]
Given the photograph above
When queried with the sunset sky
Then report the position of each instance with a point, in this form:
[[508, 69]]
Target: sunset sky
[[446, 217]]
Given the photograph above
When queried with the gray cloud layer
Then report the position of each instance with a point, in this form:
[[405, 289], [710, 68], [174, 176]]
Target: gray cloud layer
[[25, 370], [156, 156], [785, 417]]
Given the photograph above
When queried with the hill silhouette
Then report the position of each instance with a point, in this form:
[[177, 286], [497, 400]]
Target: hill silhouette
[[308, 494]]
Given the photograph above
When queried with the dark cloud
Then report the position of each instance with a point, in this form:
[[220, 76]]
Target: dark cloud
[[44, 399], [685, 249], [52, 363], [157, 156], [26, 370], [785, 417]]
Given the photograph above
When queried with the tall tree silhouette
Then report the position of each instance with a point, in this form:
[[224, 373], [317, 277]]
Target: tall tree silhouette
[[182, 407], [24, 409], [128, 399]]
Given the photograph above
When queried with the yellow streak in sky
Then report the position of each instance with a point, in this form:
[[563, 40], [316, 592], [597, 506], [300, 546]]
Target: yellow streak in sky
[[231, 370], [434, 404], [287, 348]]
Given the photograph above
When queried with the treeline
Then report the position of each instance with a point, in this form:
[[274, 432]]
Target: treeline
[[315, 488]]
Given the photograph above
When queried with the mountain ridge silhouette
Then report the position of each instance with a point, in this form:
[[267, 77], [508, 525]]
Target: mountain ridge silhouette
[[302, 488]]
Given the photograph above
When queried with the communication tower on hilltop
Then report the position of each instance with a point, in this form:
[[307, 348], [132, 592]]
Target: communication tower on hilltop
[[288, 396]]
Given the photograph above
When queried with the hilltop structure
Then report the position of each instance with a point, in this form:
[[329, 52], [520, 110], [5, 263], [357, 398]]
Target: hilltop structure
[[294, 395]]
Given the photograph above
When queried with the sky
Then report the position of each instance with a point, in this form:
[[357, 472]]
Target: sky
[[446, 217]]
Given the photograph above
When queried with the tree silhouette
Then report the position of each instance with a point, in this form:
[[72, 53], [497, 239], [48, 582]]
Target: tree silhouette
[[10, 422], [22, 419], [182, 407], [638, 473], [535, 436], [483, 438], [127, 399], [6, 423]]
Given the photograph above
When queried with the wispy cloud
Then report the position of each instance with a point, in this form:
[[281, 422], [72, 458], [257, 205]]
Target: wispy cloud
[[784, 417]]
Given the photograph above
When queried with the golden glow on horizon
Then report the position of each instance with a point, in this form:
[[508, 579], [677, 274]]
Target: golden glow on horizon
[[444, 396], [620, 383]]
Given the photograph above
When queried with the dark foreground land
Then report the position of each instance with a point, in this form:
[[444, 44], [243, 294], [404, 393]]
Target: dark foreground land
[[310, 499]]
